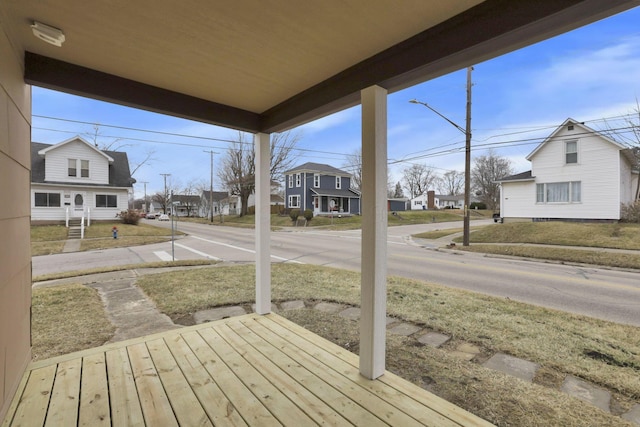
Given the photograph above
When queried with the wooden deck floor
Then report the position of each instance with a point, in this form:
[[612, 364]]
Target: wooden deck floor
[[247, 370]]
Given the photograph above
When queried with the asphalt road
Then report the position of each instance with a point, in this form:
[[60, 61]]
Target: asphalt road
[[607, 294]]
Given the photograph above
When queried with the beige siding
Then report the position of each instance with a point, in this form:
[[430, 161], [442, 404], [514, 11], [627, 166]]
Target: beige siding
[[15, 259], [56, 164]]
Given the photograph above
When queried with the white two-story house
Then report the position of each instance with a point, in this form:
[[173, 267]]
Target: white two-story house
[[576, 173], [74, 178]]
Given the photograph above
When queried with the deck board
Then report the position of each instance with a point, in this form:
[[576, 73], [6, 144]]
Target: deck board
[[94, 392], [248, 370]]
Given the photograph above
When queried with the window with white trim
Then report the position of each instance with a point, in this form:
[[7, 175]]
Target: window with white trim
[[316, 180], [72, 167], [571, 151], [291, 181], [298, 180], [294, 201], [106, 201], [559, 192], [49, 200], [338, 182], [84, 168]]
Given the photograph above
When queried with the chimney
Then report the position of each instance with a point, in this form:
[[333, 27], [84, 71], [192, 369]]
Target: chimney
[[431, 199]]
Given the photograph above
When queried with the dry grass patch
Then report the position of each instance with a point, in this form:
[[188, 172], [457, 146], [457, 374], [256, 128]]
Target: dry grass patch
[[615, 235], [602, 352], [499, 398], [619, 260], [67, 318]]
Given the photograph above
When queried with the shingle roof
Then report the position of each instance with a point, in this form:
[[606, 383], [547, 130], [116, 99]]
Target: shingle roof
[[119, 174], [517, 177], [318, 167], [217, 195]]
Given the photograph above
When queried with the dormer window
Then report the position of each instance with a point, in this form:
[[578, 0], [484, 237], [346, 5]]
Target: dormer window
[[571, 151], [338, 183], [72, 168]]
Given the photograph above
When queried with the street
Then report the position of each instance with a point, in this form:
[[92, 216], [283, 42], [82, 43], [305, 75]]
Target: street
[[607, 294]]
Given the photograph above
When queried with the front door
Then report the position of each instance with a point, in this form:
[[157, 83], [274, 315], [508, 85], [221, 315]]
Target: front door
[[316, 205], [78, 204]]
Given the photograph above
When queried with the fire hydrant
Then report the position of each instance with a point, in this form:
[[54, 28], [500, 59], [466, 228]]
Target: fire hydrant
[[114, 230]]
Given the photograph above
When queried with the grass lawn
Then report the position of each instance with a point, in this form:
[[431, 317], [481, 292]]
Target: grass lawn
[[65, 319], [615, 235], [601, 352], [50, 239]]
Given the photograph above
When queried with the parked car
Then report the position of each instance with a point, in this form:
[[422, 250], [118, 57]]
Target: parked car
[[151, 215], [163, 217]]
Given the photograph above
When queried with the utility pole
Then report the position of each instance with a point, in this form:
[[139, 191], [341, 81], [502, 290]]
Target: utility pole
[[467, 153], [211, 185], [165, 175], [146, 205], [467, 163]]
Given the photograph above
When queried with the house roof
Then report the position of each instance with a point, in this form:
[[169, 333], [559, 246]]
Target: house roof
[[119, 174], [584, 130], [335, 193], [523, 176], [217, 195], [251, 67], [318, 167], [276, 198], [186, 199]]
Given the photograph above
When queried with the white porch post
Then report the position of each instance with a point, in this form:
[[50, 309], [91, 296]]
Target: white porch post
[[263, 223], [374, 232]]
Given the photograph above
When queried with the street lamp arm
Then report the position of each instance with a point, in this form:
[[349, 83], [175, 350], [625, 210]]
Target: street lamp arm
[[460, 128]]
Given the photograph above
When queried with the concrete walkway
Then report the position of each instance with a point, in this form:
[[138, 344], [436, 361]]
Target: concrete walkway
[[134, 315]]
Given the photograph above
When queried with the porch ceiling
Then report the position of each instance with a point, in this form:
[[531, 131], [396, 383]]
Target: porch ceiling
[[269, 65]]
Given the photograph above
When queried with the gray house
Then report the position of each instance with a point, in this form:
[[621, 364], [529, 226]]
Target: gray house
[[322, 188]]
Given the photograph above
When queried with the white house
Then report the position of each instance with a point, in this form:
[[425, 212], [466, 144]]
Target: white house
[[74, 178], [420, 202], [576, 173]]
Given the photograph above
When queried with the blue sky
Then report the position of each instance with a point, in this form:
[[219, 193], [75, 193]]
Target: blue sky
[[588, 74]]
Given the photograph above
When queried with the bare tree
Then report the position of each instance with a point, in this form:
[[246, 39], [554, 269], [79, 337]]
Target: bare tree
[[418, 179], [485, 172], [116, 144], [354, 166], [451, 183], [238, 165], [630, 136]]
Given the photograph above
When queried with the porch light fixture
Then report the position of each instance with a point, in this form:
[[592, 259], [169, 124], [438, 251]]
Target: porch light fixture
[[47, 33]]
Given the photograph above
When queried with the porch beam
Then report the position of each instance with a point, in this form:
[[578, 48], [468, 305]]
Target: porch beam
[[374, 232], [263, 223]]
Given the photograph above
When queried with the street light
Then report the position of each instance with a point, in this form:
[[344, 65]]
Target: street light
[[467, 158]]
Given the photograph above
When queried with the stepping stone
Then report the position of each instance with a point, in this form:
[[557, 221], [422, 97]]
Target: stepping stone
[[329, 307], [404, 329], [292, 305], [633, 415], [434, 339], [274, 308], [218, 313], [465, 351], [587, 392], [352, 313], [513, 366]]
